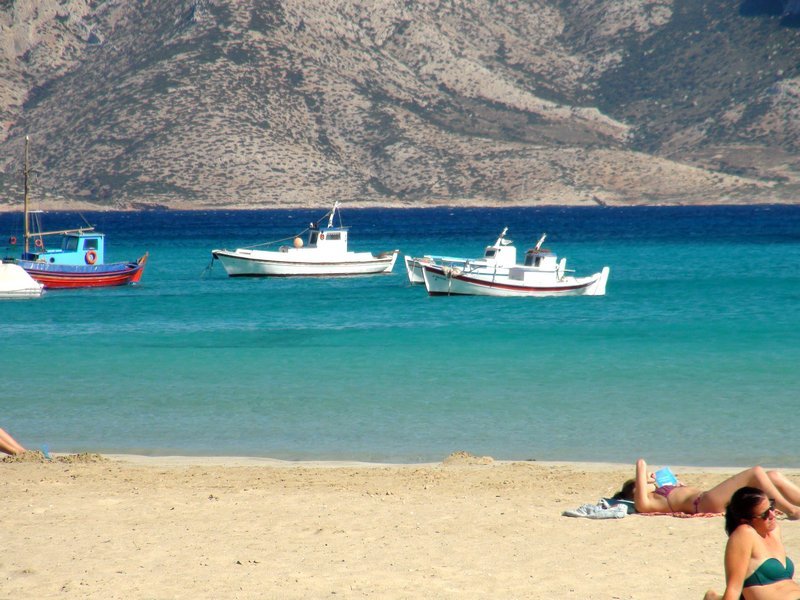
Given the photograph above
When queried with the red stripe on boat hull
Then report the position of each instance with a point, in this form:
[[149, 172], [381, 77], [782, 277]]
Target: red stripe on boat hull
[[520, 290]]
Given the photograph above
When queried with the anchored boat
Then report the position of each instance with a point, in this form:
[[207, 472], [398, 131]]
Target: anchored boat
[[541, 274], [324, 254], [16, 283], [77, 258]]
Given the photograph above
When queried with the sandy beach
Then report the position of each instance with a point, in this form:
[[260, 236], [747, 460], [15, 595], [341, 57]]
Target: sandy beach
[[91, 526]]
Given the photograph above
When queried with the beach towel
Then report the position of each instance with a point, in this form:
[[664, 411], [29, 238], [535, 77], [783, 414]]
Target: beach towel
[[682, 515], [629, 504], [601, 510]]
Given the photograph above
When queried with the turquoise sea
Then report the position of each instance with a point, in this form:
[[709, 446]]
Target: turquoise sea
[[692, 357]]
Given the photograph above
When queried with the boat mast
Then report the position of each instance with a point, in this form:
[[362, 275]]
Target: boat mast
[[333, 212], [25, 197], [26, 209]]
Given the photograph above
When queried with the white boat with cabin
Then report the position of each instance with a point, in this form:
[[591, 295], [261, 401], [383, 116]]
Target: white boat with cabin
[[498, 274], [324, 254]]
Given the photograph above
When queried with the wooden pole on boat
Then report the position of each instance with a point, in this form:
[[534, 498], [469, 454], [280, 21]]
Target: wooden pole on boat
[[25, 197]]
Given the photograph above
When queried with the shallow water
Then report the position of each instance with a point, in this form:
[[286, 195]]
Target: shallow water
[[691, 357]]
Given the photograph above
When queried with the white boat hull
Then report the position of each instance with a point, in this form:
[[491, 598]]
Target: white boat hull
[[414, 270], [16, 283], [260, 263], [453, 281]]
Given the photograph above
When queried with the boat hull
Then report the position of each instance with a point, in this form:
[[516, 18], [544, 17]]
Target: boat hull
[[444, 281], [414, 270], [243, 263], [16, 283], [54, 276]]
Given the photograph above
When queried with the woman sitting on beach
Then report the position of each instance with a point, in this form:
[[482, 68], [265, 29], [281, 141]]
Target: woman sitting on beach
[[756, 565], [649, 498]]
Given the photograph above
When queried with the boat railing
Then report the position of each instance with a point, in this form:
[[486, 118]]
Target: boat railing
[[448, 259], [480, 265]]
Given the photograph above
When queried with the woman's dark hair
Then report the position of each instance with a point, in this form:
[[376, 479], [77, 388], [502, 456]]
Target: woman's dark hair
[[626, 493], [741, 507]]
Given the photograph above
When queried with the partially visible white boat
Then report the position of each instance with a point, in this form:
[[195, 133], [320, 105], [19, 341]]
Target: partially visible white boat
[[414, 265], [16, 283], [493, 256], [325, 254], [540, 275]]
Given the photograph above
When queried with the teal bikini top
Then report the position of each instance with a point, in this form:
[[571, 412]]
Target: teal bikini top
[[770, 571]]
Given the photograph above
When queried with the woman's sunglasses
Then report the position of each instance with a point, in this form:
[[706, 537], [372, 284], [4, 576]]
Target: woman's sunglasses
[[765, 515]]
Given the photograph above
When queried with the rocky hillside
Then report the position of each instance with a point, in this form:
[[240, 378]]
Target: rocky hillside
[[269, 103]]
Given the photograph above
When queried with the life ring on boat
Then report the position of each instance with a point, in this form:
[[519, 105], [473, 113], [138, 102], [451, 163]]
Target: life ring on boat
[[91, 257], [12, 240], [38, 243], [322, 236]]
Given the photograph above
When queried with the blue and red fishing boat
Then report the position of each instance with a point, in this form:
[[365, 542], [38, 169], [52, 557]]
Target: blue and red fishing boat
[[78, 258]]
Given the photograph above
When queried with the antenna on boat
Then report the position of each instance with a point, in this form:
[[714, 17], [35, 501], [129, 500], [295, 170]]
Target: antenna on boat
[[333, 212], [501, 241]]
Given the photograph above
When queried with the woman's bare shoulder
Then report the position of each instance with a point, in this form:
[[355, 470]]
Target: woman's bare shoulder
[[744, 535]]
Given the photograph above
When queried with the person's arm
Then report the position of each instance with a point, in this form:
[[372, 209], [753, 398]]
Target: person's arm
[[737, 558], [641, 494]]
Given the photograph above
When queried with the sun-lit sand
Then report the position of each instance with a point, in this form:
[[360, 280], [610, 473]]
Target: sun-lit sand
[[90, 526]]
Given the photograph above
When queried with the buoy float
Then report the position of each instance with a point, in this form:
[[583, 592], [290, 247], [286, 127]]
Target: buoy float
[[38, 243], [91, 257]]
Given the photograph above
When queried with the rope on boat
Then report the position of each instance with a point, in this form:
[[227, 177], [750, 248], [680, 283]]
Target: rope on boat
[[208, 268], [291, 237], [315, 225]]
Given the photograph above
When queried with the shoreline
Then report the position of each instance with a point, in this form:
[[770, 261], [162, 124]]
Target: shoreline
[[67, 207], [132, 526], [459, 457], [456, 458]]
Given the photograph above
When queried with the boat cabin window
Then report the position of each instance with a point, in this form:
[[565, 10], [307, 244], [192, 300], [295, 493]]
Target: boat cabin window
[[70, 244], [490, 252], [314, 235], [90, 244], [533, 260], [334, 235]]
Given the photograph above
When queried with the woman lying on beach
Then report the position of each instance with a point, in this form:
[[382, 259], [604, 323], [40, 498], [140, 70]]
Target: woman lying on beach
[[756, 565], [649, 498], [9, 445]]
